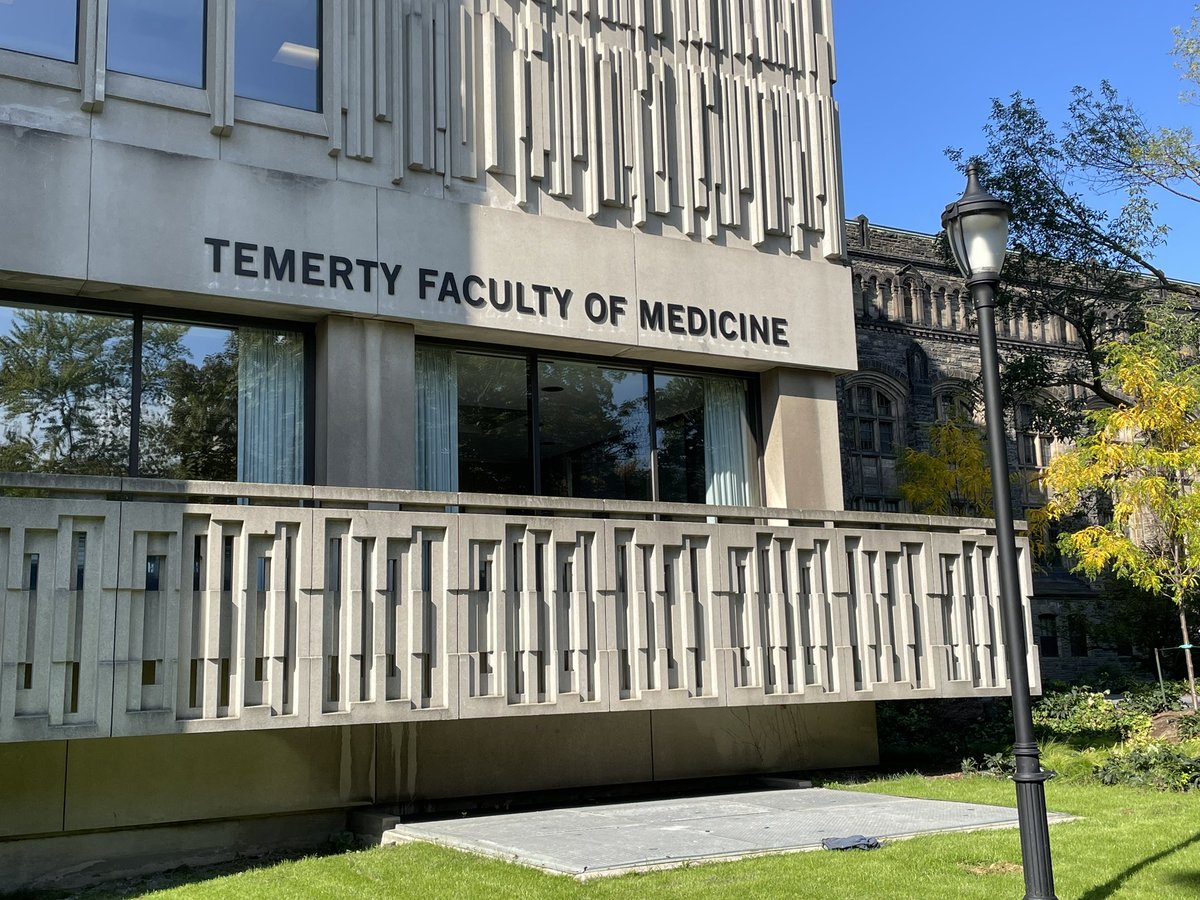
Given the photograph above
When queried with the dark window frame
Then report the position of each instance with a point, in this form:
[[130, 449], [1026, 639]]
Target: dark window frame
[[533, 358], [138, 313]]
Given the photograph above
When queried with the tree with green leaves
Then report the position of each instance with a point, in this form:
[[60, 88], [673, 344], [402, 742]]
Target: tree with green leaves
[[1143, 452], [952, 477], [1071, 259]]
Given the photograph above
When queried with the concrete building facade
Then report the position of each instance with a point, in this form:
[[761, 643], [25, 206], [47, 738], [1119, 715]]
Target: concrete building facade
[[422, 399]]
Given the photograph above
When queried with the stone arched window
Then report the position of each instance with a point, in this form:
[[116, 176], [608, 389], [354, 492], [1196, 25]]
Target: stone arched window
[[873, 406], [953, 399]]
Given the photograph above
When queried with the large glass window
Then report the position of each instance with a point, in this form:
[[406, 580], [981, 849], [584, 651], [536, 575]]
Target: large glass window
[[278, 52], [41, 27], [213, 403], [602, 431], [594, 435], [161, 39]]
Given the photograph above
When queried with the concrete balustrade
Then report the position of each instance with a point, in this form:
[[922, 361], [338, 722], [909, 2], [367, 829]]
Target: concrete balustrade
[[136, 607]]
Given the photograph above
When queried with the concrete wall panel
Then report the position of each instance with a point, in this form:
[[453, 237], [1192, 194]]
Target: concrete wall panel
[[179, 778], [44, 185], [31, 788]]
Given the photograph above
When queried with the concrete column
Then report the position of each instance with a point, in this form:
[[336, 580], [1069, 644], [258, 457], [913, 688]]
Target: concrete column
[[802, 459], [366, 403]]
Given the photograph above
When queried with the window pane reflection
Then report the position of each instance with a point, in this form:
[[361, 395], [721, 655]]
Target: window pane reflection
[[161, 39], [493, 425], [594, 435], [40, 27], [65, 383], [278, 52], [679, 428], [189, 402]]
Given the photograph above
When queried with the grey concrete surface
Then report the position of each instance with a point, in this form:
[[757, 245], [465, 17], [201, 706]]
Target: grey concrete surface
[[604, 840]]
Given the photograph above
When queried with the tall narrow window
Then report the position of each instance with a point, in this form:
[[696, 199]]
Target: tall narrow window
[[270, 406], [278, 52], [493, 424], [679, 438], [40, 27], [437, 419], [873, 439], [728, 447], [160, 39], [1047, 635]]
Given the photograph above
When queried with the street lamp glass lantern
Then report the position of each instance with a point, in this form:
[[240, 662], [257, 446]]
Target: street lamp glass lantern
[[977, 227]]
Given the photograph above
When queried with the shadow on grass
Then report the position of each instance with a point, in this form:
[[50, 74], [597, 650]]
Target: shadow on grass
[[139, 885], [1113, 884]]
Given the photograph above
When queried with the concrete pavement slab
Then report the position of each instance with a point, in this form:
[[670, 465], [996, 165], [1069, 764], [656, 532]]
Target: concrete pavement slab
[[618, 837]]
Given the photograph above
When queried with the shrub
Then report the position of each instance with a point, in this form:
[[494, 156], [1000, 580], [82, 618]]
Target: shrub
[[998, 765], [1189, 727], [1148, 697], [1153, 764], [1082, 715]]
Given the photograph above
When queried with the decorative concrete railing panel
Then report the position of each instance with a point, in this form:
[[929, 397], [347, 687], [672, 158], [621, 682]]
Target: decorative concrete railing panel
[[139, 607]]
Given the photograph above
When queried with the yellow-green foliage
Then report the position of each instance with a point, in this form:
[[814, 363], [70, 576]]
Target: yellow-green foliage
[[953, 477], [1144, 454]]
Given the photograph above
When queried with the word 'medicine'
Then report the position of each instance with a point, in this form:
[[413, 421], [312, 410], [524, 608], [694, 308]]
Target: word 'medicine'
[[495, 295]]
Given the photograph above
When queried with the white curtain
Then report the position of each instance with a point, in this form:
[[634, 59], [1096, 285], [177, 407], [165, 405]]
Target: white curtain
[[270, 407], [728, 453], [437, 419]]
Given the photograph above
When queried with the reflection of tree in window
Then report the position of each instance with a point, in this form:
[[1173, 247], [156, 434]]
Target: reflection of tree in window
[[594, 435], [493, 424], [679, 431], [215, 404], [65, 393], [873, 448], [189, 425]]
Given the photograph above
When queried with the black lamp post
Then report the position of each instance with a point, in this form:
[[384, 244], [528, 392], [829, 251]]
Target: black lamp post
[[977, 226]]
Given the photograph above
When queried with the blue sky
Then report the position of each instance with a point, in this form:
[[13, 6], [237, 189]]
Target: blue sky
[[909, 86]]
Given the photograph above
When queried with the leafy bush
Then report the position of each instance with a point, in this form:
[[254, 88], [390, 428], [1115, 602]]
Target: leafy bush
[[1082, 715], [998, 765], [1189, 727], [1148, 697], [1155, 764]]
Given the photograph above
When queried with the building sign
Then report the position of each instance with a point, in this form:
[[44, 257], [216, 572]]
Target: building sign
[[491, 293]]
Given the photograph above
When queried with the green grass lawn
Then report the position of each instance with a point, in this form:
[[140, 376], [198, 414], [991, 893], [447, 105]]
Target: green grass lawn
[[1132, 842]]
